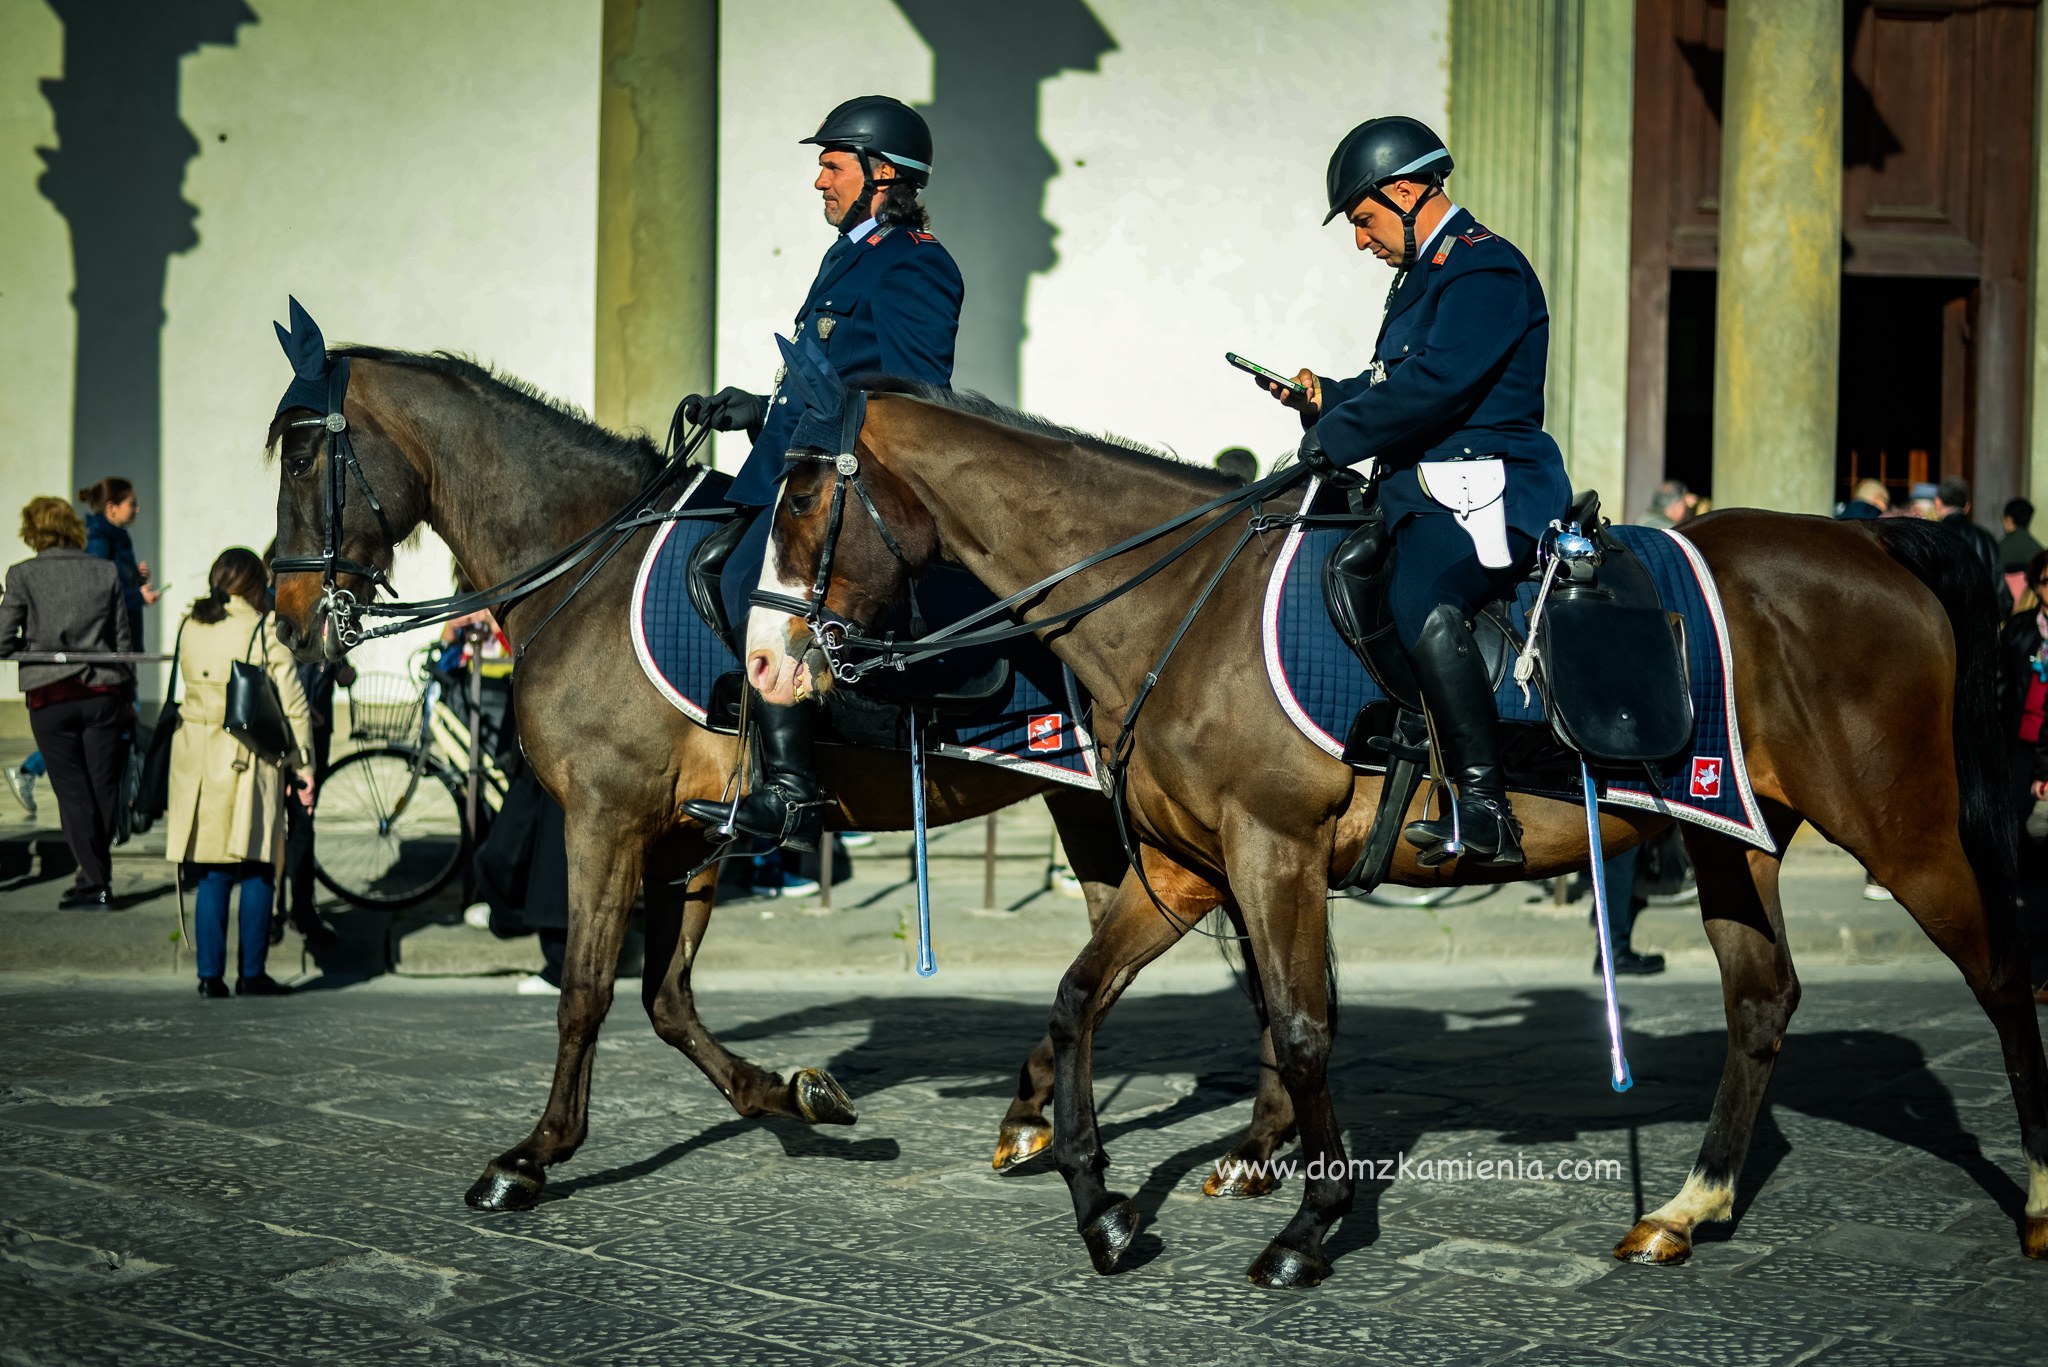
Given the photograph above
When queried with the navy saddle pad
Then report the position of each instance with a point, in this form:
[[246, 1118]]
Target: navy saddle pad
[[1321, 684], [1033, 726]]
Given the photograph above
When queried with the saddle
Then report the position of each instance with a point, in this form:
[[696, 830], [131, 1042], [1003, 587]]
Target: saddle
[[958, 687], [1613, 671]]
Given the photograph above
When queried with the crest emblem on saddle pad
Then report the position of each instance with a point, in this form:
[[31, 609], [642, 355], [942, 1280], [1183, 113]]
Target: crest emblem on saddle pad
[[1706, 776], [1043, 731]]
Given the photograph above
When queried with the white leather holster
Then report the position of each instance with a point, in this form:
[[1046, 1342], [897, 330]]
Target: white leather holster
[[1475, 491]]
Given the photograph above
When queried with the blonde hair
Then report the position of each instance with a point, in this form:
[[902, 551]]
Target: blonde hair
[[48, 522], [1873, 492]]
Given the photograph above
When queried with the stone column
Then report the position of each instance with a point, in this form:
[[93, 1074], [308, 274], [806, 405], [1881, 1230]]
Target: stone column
[[1542, 119], [1777, 342], [657, 209]]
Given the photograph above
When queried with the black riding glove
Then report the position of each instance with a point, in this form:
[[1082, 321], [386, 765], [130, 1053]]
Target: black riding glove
[[1319, 461], [733, 409]]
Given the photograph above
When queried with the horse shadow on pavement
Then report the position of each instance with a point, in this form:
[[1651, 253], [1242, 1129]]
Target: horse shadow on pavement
[[1525, 1075]]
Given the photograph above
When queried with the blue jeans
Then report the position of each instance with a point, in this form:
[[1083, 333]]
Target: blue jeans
[[33, 765], [210, 916]]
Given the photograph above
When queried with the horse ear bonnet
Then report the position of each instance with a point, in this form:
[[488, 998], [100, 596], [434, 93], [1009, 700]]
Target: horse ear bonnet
[[307, 351], [809, 379]]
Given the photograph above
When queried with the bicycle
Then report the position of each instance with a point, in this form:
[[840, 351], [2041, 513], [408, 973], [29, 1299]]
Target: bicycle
[[391, 822]]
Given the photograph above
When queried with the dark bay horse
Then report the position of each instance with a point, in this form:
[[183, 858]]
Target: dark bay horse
[[1863, 673], [506, 477]]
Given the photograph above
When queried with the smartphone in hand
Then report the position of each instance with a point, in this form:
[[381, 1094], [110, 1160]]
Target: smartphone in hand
[[1251, 368]]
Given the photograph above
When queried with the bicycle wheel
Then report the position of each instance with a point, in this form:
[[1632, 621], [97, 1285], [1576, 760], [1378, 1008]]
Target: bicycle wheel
[[387, 831]]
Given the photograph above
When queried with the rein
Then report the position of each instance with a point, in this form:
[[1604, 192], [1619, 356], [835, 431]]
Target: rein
[[833, 635], [598, 545]]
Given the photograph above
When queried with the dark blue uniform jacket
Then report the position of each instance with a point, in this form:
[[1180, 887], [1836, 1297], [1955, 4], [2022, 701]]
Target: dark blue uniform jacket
[[887, 304], [1464, 345]]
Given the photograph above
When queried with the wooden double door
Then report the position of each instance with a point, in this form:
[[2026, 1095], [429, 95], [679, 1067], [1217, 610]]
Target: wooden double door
[[1937, 177]]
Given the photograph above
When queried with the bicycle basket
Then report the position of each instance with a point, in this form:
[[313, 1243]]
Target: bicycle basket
[[384, 707]]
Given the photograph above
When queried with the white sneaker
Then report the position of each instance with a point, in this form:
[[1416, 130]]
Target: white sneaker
[[537, 986], [1065, 884], [794, 886], [1876, 892], [856, 840], [477, 916], [23, 785]]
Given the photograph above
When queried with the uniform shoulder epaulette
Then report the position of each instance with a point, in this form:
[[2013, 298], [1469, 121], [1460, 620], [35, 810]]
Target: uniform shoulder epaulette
[[918, 236], [1477, 235]]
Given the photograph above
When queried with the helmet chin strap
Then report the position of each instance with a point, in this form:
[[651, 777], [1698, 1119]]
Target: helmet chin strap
[[860, 212], [1407, 217]]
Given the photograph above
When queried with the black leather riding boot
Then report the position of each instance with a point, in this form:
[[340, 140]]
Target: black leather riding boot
[[1455, 689], [787, 805]]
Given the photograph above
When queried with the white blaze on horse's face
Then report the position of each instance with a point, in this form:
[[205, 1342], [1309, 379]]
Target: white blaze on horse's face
[[774, 671]]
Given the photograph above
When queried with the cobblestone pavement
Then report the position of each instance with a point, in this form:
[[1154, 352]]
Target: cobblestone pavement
[[262, 1180]]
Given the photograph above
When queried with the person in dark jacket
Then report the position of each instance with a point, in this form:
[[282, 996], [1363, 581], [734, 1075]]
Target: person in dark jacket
[[1451, 412], [2023, 712], [114, 506], [886, 300], [67, 600], [1870, 501]]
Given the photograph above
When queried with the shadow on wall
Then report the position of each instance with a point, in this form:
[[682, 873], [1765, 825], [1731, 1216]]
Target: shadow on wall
[[117, 176], [987, 195]]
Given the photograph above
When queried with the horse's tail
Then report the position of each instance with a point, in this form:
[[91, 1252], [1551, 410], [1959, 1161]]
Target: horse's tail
[[1945, 563]]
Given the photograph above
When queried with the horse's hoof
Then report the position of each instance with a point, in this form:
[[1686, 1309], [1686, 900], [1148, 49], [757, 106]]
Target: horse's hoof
[[2034, 1241], [1281, 1266], [514, 1186], [820, 1100], [1654, 1241], [1244, 1182], [1110, 1233], [1021, 1139]]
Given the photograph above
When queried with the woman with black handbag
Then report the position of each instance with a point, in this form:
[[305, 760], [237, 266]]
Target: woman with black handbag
[[241, 744]]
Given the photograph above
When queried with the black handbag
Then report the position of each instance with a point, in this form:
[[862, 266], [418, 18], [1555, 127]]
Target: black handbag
[[254, 714], [153, 790]]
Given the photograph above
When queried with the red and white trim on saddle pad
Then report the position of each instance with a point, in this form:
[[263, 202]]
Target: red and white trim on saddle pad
[[1701, 776]]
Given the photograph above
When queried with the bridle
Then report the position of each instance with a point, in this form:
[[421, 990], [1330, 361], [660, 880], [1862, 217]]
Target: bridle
[[830, 632], [338, 603], [687, 432]]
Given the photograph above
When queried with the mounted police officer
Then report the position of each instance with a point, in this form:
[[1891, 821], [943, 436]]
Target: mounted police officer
[[886, 300], [1451, 411]]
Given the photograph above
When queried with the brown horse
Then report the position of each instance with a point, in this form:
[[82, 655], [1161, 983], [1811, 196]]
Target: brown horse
[[1863, 666], [506, 477]]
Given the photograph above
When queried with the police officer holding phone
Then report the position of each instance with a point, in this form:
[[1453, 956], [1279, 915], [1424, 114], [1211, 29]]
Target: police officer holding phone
[[886, 300], [1451, 413]]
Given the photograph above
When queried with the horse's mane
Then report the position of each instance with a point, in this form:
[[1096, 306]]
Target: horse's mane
[[981, 406], [558, 417]]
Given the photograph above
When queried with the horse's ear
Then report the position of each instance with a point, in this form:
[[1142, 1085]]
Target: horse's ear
[[812, 378], [303, 345]]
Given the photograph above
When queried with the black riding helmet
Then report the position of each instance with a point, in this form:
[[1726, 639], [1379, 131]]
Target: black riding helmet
[[1379, 150]]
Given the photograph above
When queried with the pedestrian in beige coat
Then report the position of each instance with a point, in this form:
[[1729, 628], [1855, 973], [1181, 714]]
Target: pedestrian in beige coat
[[226, 812]]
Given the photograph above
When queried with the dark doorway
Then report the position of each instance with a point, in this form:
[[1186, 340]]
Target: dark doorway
[[1903, 404], [1689, 384], [1904, 407]]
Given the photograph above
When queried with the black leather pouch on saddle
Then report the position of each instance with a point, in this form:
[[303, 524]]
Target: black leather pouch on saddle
[[1615, 680], [254, 714]]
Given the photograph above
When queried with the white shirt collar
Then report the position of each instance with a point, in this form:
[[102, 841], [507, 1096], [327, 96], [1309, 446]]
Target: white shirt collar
[[855, 234], [1422, 247]]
